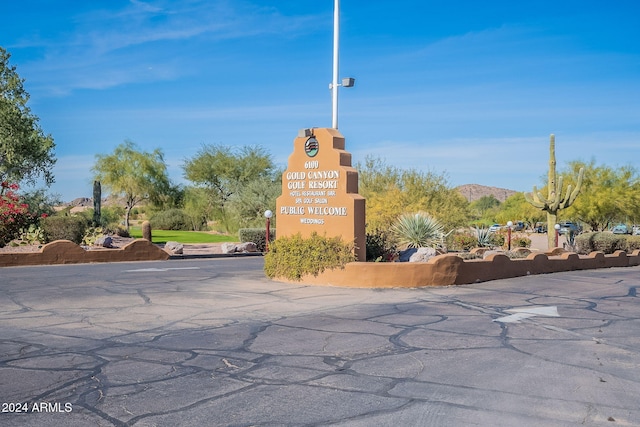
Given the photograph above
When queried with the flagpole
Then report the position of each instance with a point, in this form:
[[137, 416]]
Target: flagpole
[[334, 84]]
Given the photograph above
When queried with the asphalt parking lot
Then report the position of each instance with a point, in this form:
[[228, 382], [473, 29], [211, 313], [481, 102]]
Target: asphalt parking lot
[[214, 342]]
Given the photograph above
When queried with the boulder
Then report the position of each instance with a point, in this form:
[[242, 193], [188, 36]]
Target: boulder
[[104, 242], [417, 254], [174, 248], [423, 255], [247, 247], [231, 248]]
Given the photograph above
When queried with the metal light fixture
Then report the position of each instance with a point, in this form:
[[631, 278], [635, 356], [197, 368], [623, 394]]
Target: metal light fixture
[[267, 214]]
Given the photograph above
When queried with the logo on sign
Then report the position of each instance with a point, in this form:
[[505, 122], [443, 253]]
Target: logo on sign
[[311, 147]]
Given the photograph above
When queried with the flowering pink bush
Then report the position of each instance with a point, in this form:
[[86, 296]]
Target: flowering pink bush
[[14, 215]]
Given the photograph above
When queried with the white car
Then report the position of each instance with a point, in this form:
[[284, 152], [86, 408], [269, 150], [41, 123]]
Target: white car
[[495, 227]]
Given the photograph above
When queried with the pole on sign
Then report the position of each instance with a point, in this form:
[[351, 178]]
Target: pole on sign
[[334, 83]]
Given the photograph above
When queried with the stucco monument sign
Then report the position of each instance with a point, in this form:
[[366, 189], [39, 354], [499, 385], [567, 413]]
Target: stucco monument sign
[[320, 191]]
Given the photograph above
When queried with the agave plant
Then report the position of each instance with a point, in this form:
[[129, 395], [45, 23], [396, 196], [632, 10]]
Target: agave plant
[[484, 237], [418, 230]]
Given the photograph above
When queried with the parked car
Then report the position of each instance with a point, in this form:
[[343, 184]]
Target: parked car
[[621, 229], [495, 227], [569, 227], [541, 227], [635, 230], [518, 226]]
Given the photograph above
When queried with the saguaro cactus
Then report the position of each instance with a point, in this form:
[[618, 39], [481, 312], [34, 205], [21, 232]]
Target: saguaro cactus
[[555, 201], [97, 203]]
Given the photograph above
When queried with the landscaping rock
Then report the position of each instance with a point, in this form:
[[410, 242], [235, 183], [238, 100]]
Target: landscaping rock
[[247, 247], [423, 255], [417, 254], [174, 248], [404, 256], [104, 242], [230, 248]]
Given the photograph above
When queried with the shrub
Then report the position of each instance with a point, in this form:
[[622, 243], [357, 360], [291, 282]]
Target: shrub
[[64, 228], [171, 219], [293, 257], [257, 236], [603, 242], [520, 242], [14, 215], [633, 243], [497, 239], [464, 241], [379, 246], [122, 232], [418, 230]]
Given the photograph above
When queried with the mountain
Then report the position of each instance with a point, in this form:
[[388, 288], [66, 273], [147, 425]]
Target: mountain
[[473, 192]]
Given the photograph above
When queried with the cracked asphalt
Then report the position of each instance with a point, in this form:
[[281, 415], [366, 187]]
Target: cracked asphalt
[[215, 343]]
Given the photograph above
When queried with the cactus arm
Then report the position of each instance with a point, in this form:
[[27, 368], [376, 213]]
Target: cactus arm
[[535, 198]]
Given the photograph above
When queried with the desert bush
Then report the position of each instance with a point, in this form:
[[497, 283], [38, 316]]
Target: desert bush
[[380, 246], [603, 242], [497, 239], [64, 228], [171, 219], [632, 243], [464, 241], [520, 242], [121, 231], [293, 257], [257, 236]]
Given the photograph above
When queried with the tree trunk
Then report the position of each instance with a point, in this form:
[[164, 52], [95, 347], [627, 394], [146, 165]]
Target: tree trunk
[[127, 212], [551, 229]]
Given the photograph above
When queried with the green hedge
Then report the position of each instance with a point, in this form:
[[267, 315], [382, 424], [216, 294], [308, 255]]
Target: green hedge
[[257, 236]]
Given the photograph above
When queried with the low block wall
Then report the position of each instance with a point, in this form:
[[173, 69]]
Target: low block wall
[[449, 269], [67, 252]]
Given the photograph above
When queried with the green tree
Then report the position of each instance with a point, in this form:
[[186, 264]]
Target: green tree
[[610, 195], [26, 153], [223, 171], [391, 192], [516, 208], [253, 199], [134, 175], [484, 204]]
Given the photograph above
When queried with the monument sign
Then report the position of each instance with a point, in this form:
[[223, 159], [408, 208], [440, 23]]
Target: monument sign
[[320, 191]]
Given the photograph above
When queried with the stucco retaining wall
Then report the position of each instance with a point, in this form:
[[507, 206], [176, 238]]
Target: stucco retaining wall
[[67, 252], [449, 269]]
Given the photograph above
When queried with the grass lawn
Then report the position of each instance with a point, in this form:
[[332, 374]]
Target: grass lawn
[[164, 236]]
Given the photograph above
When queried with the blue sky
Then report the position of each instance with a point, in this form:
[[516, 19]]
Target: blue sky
[[470, 88]]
